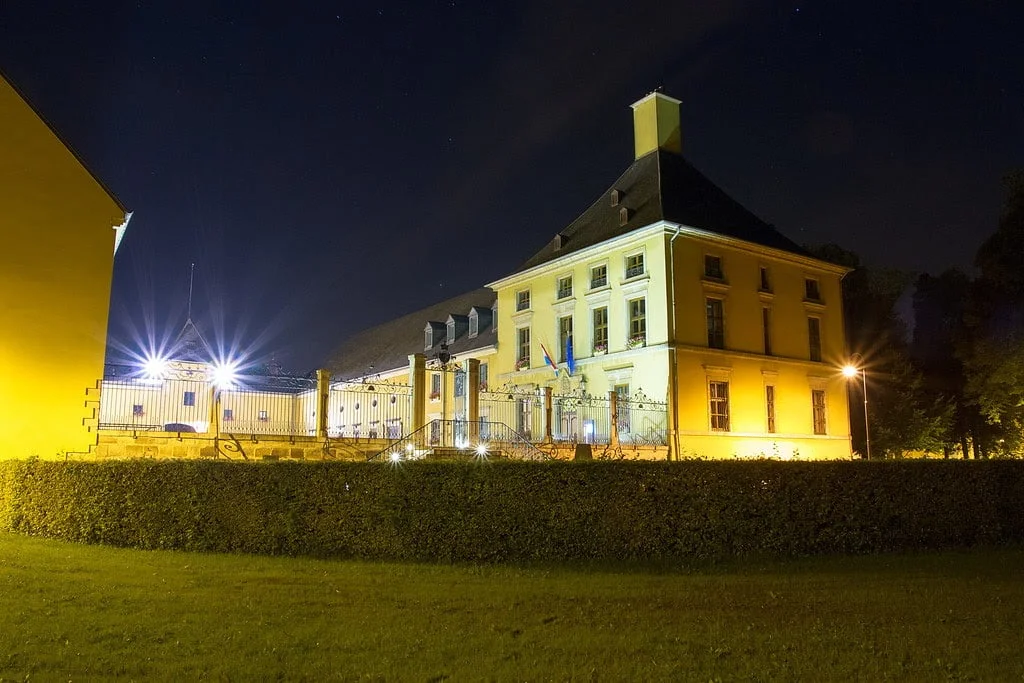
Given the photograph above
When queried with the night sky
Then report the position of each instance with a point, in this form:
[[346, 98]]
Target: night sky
[[329, 166]]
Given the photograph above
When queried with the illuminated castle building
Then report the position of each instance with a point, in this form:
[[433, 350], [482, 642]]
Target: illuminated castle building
[[664, 290]]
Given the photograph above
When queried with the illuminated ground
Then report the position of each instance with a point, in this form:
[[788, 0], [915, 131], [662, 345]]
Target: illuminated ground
[[75, 612]]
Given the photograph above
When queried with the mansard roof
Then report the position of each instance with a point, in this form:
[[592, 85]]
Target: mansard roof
[[387, 346], [662, 186]]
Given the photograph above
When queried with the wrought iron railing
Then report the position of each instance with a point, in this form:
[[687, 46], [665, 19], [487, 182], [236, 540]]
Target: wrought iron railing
[[522, 410], [581, 419], [369, 410], [642, 421], [458, 438]]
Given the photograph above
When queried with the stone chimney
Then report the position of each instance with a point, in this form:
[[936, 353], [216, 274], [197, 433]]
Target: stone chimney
[[656, 124]]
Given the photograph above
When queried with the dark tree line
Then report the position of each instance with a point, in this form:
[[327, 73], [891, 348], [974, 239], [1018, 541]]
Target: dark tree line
[[952, 382]]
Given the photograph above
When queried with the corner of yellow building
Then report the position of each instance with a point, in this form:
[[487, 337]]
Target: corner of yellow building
[[60, 228]]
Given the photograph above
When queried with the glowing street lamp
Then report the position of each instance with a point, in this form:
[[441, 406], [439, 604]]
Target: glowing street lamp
[[851, 370]]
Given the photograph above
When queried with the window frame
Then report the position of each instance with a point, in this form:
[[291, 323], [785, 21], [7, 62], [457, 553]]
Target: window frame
[[562, 336], [188, 399], [603, 327], [766, 329], [814, 338], [523, 344], [819, 412], [715, 332], [594, 284], [522, 300], [718, 397], [717, 273], [637, 320], [639, 267], [812, 289], [769, 408], [563, 287]]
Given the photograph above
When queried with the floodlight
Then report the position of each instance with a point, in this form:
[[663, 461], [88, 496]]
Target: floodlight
[[225, 374], [154, 367]]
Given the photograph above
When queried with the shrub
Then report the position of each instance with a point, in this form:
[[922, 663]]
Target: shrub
[[500, 511]]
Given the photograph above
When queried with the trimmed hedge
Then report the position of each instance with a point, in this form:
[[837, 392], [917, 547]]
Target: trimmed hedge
[[519, 511]]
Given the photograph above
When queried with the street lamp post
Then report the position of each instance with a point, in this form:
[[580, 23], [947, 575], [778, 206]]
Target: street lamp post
[[851, 370]]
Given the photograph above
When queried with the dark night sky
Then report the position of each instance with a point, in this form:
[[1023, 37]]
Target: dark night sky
[[330, 166]]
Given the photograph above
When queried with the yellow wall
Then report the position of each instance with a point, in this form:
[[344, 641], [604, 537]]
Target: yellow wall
[[641, 368], [743, 362], [649, 369], [55, 277]]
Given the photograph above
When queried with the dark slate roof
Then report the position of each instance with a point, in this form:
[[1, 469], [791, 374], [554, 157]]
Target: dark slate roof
[[663, 186], [387, 346]]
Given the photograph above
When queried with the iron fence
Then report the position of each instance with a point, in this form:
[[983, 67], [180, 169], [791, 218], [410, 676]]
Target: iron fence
[[459, 439], [369, 410], [155, 405], [642, 421], [522, 411], [581, 419]]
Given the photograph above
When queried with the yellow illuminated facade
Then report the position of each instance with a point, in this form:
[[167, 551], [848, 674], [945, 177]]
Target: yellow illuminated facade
[[668, 287], [60, 228]]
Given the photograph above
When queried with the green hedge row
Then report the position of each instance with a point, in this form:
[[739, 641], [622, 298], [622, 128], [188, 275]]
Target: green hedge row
[[519, 511]]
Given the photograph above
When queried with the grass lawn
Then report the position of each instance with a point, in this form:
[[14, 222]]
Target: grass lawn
[[70, 612]]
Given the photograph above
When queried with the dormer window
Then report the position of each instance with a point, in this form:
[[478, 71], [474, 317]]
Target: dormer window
[[428, 338], [474, 323], [451, 331], [616, 197], [623, 216]]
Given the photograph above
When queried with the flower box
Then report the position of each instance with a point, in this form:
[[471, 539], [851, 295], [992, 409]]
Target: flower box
[[600, 349], [435, 395], [636, 342], [523, 364]]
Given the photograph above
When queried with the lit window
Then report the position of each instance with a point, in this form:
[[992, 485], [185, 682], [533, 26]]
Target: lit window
[[637, 321], [769, 404], [229, 414], [765, 282], [565, 287], [811, 292], [564, 337], [523, 300], [716, 324], [189, 398], [263, 417], [634, 265], [598, 276], [601, 329], [818, 405], [523, 347], [713, 267], [814, 338], [719, 406]]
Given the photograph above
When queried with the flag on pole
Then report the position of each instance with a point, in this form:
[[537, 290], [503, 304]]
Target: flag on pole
[[548, 359], [570, 361]]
